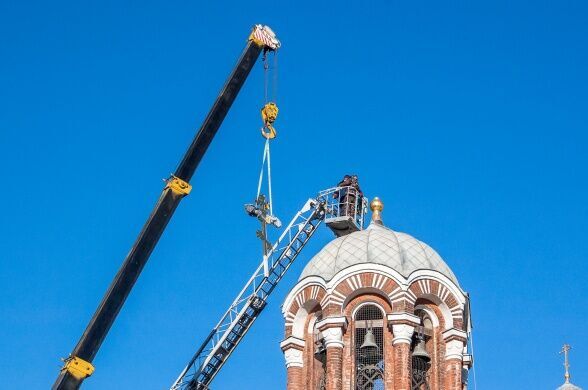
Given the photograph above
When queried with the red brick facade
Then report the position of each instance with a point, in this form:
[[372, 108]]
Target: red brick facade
[[317, 311]]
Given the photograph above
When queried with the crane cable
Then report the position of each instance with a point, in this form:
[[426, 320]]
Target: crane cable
[[269, 114]]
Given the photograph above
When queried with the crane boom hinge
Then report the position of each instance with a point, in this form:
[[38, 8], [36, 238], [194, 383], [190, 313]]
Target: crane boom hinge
[[178, 185], [78, 367]]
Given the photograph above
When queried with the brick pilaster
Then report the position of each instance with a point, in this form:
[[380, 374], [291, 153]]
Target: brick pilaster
[[295, 379], [334, 368], [293, 349], [332, 329], [453, 374], [454, 351], [403, 326]]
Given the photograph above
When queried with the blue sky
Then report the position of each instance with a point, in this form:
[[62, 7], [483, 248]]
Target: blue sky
[[468, 120]]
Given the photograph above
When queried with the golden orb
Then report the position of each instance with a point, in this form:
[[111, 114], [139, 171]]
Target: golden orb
[[376, 204]]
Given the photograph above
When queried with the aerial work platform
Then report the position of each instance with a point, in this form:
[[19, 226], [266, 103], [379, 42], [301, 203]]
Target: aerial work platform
[[345, 209]]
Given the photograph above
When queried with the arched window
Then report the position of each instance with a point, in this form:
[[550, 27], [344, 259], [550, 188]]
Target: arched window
[[421, 360], [369, 348]]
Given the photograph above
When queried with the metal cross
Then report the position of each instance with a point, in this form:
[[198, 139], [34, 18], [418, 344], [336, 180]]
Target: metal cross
[[566, 348]]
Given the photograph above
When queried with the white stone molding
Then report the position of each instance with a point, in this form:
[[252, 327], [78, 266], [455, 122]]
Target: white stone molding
[[454, 349], [291, 342], [332, 329], [294, 357], [455, 334], [403, 318], [332, 322], [430, 313], [333, 337], [356, 269], [355, 310], [293, 349], [402, 333]]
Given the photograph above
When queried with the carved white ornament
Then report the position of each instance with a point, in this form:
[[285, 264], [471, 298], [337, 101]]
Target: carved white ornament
[[454, 350], [333, 337], [293, 357], [402, 333]]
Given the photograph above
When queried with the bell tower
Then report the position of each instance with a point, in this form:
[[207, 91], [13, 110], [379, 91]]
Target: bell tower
[[377, 309]]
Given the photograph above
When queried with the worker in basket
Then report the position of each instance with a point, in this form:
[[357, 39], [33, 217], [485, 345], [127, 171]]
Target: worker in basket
[[350, 196]]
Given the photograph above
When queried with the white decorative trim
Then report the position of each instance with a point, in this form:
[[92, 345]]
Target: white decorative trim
[[332, 322], [310, 281], [402, 334], [367, 303], [379, 269], [292, 341], [403, 317], [299, 321], [333, 337], [455, 333], [430, 313], [445, 311], [293, 357], [454, 350]]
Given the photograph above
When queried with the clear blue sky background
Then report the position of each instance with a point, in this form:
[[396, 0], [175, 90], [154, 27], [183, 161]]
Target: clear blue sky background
[[468, 120]]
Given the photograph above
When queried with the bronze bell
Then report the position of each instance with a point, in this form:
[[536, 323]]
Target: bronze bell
[[369, 340], [420, 350]]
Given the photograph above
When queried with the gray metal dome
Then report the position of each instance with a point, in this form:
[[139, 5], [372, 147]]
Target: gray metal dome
[[379, 245], [568, 386]]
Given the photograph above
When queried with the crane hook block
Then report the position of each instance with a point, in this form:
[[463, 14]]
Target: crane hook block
[[269, 114]]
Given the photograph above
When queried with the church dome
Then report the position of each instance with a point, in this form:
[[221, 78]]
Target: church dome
[[378, 245], [568, 386]]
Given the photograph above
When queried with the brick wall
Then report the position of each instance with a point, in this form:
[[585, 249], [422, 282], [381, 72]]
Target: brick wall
[[340, 362]]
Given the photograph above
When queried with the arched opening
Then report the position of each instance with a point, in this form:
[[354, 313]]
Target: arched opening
[[421, 358], [319, 356], [369, 348]]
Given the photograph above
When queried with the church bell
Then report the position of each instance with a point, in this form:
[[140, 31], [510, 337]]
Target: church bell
[[369, 341], [420, 350]]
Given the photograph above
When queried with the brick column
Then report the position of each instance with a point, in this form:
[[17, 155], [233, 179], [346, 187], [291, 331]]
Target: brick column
[[293, 349], [454, 344], [402, 325], [332, 329]]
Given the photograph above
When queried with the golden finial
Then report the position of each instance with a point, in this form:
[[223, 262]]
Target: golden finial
[[377, 206], [565, 350]]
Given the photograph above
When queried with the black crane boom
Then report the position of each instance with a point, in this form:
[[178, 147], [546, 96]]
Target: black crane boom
[[78, 366]]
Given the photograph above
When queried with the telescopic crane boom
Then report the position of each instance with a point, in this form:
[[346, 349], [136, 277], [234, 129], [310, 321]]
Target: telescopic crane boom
[[78, 365], [342, 217]]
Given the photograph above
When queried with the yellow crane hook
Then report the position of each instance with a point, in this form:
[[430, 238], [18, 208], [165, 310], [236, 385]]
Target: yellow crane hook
[[269, 114]]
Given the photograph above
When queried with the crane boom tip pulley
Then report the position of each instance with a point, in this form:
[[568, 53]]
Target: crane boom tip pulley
[[264, 37]]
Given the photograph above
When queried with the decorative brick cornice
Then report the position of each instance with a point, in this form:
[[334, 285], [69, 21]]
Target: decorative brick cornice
[[455, 334], [292, 342]]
